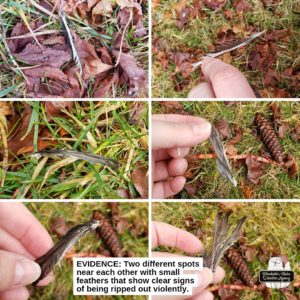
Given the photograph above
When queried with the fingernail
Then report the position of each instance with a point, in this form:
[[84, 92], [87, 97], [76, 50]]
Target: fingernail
[[203, 129], [205, 277], [26, 272], [178, 151]]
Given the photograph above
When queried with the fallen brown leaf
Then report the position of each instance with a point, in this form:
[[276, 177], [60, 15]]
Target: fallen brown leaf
[[223, 128], [246, 190], [54, 108], [292, 166], [133, 74], [59, 226], [255, 169], [215, 4], [47, 56], [92, 64], [241, 6], [139, 178]]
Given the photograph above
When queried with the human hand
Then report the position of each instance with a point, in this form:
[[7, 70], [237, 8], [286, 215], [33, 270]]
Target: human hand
[[172, 136], [223, 81], [22, 240], [167, 235]]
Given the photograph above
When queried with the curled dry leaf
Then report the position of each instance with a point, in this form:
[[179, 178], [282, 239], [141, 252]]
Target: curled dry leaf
[[102, 8], [133, 74], [46, 56], [255, 169], [292, 166], [247, 191], [54, 108], [230, 206], [172, 107], [238, 135], [59, 226], [223, 128], [241, 6], [92, 64], [215, 4], [139, 178]]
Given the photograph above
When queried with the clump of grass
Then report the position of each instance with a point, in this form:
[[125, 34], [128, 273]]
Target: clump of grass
[[105, 128], [269, 226], [74, 213], [274, 184], [201, 33]]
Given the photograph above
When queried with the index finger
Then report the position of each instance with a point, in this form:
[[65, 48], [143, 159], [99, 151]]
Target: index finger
[[19, 222], [227, 81], [167, 235], [169, 131]]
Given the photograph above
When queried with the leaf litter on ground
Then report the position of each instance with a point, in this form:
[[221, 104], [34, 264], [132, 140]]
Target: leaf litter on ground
[[270, 62], [47, 58]]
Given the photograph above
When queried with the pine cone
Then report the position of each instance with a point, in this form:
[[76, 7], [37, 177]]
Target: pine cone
[[240, 266], [108, 235], [269, 137]]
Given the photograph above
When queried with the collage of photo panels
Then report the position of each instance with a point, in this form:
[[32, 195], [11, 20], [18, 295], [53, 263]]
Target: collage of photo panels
[[154, 131]]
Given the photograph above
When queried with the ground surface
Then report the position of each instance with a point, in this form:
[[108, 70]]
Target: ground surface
[[116, 130], [35, 60], [184, 30]]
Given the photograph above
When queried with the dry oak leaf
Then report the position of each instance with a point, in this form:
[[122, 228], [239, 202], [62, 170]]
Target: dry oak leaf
[[102, 8], [134, 75], [49, 56], [59, 226], [92, 64], [139, 178], [255, 169], [223, 128], [46, 72], [54, 108], [241, 6], [215, 4]]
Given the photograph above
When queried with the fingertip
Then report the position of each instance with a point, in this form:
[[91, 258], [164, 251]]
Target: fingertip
[[177, 166], [204, 295], [20, 293], [219, 275], [178, 152], [203, 90], [45, 281]]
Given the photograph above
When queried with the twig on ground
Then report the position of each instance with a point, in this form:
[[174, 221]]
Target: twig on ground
[[235, 157]]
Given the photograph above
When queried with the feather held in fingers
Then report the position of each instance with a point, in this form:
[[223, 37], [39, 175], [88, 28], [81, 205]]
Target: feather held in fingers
[[223, 239], [230, 47], [49, 260], [70, 41], [222, 160], [90, 157]]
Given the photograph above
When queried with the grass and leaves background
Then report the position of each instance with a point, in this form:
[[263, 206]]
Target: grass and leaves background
[[203, 178], [271, 229], [133, 237], [184, 30], [115, 129]]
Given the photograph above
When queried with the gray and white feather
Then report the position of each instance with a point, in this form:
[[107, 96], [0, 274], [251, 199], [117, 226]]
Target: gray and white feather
[[90, 157], [232, 47], [223, 239], [49, 260], [222, 160], [70, 41]]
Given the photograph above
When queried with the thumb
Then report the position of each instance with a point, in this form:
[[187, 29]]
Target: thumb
[[169, 134], [16, 270]]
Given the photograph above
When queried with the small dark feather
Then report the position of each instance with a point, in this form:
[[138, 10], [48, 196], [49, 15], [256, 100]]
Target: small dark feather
[[223, 239], [49, 260]]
